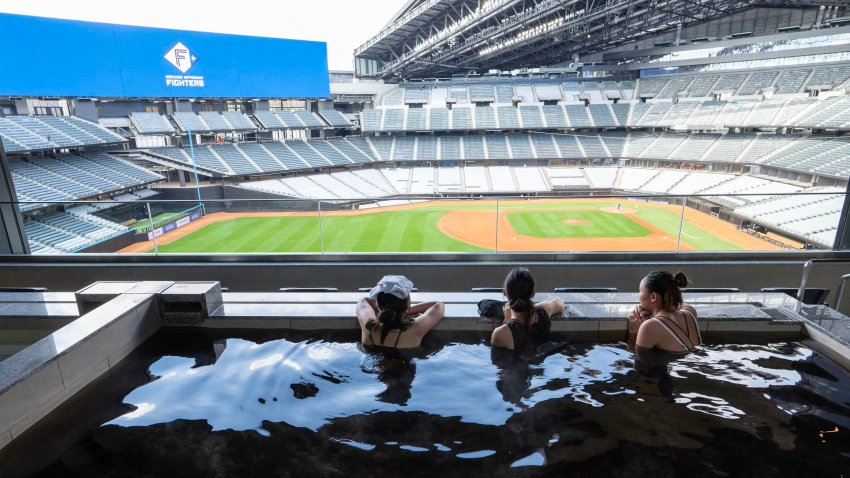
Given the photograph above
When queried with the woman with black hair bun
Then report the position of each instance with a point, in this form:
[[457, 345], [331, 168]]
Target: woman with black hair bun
[[388, 320], [662, 320], [526, 324]]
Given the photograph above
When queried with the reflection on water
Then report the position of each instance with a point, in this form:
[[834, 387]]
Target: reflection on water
[[328, 408]]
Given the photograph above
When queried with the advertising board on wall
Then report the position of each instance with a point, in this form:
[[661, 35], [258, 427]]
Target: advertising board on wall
[[67, 58]]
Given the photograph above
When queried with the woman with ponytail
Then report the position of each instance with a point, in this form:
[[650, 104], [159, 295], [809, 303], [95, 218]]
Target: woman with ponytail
[[387, 319], [662, 320], [526, 324]]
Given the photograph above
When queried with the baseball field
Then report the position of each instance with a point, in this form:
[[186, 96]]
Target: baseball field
[[462, 226]]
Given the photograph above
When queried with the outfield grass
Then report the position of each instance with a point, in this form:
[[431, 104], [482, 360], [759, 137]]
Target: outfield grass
[[416, 230], [396, 231], [596, 224]]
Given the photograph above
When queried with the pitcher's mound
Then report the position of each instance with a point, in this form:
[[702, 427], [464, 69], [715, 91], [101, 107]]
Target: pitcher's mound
[[575, 222], [614, 210]]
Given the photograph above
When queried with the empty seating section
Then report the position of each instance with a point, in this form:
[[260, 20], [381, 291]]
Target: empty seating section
[[28, 133], [673, 87], [578, 116], [475, 179], [354, 153], [611, 90], [269, 120], [176, 154], [403, 149], [206, 159], [450, 148], [572, 91], [216, 122], [393, 98], [602, 116], [239, 121], [633, 179], [194, 123], [568, 146], [261, 157], [290, 119], [508, 117], [655, 112], [621, 113], [567, 178], [663, 181], [555, 116], [702, 85], [757, 81], [336, 187], [532, 117], [502, 178], [544, 145], [829, 76], [422, 181], [438, 119], [415, 119], [548, 92], [615, 143], [790, 81], [416, 95], [734, 113], [461, 118], [602, 178], [663, 146], [529, 179], [694, 147], [334, 118], [649, 87], [593, 146], [72, 177], [504, 93], [286, 155], [520, 146], [482, 93], [449, 180], [370, 120], [473, 148], [496, 147], [459, 94], [310, 119], [328, 151], [485, 118], [151, 123], [363, 146], [393, 119], [678, 114], [729, 83], [706, 113], [697, 182], [525, 93], [383, 146], [426, 148], [308, 153]]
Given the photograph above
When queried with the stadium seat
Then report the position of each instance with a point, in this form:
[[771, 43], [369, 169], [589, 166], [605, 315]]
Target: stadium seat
[[586, 289], [711, 289], [812, 295]]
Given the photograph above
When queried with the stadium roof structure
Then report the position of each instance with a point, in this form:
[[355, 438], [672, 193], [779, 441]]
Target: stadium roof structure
[[440, 38]]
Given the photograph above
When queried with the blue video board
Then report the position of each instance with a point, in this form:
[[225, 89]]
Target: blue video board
[[66, 58]]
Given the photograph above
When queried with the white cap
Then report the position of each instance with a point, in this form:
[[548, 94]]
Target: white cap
[[398, 286]]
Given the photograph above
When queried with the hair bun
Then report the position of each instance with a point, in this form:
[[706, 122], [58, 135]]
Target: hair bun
[[680, 279]]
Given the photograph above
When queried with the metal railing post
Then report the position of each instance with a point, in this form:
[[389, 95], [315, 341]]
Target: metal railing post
[[153, 234]]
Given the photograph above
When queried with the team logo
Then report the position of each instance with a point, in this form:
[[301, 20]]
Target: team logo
[[180, 56]]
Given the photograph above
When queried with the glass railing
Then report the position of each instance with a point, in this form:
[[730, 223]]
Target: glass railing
[[428, 224]]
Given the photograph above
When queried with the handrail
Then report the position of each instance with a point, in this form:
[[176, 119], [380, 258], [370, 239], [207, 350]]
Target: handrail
[[840, 290], [807, 269]]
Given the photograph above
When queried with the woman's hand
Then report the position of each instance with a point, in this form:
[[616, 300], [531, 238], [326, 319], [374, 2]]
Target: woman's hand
[[636, 317]]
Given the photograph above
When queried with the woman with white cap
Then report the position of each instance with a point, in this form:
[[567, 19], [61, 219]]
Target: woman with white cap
[[387, 319]]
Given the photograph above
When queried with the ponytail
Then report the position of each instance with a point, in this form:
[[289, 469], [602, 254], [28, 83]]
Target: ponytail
[[391, 312], [519, 288]]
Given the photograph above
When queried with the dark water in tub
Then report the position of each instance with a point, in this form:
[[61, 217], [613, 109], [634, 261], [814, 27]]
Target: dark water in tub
[[299, 407]]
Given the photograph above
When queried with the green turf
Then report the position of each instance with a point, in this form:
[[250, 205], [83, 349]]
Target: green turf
[[416, 230], [395, 231], [597, 224], [695, 236]]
